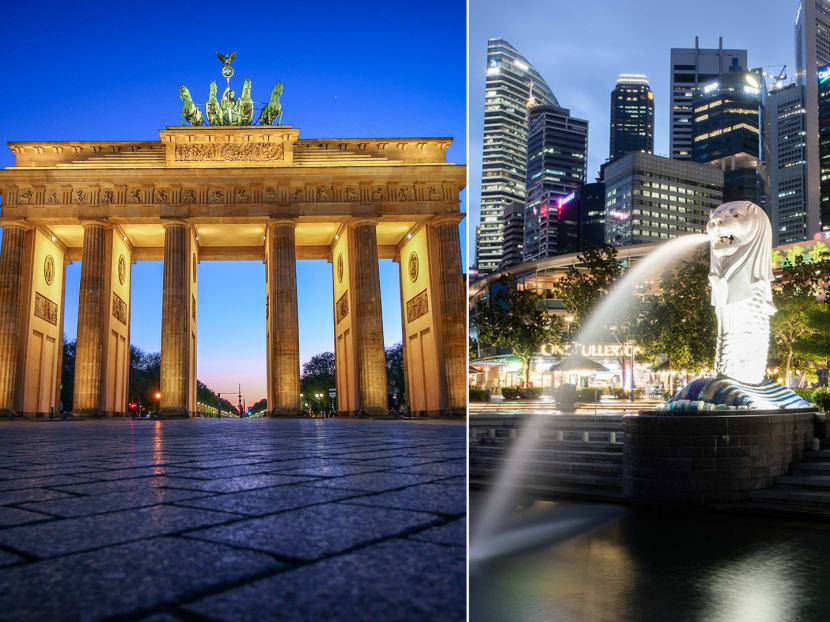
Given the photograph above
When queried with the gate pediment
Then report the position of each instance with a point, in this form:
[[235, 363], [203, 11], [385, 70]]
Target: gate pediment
[[229, 147]]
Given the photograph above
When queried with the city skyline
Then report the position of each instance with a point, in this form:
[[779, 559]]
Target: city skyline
[[135, 85], [582, 79]]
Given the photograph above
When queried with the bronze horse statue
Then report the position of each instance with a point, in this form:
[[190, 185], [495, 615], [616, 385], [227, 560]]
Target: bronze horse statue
[[273, 111], [190, 112]]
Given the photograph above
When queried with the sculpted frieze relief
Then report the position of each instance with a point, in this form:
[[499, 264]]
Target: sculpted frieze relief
[[230, 152], [219, 194]]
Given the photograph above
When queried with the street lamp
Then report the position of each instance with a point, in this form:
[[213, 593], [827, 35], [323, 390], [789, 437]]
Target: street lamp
[[158, 402]]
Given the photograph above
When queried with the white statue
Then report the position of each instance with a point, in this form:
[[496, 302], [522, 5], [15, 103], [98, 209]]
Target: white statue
[[740, 273]]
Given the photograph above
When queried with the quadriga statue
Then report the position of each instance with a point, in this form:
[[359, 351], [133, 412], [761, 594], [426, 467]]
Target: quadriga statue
[[740, 274]]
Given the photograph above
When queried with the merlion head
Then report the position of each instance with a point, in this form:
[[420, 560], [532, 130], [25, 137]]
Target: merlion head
[[740, 239]]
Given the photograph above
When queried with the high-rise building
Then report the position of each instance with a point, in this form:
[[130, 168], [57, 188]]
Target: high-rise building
[[812, 50], [582, 219], [728, 131], [512, 84], [787, 164], [649, 198], [691, 67], [632, 116], [514, 232], [557, 153], [824, 148]]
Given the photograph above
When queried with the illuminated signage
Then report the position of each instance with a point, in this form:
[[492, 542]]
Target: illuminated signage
[[823, 73], [711, 87], [752, 80], [597, 350], [751, 90], [564, 200]]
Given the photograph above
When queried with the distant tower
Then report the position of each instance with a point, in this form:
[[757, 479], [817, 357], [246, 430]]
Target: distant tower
[[632, 116], [510, 81], [557, 150], [812, 51], [691, 67]]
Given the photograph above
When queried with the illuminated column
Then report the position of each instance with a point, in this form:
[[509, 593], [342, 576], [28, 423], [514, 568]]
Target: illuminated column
[[283, 332], [178, 312], [11, 275], [453, 317], [367, 319], [92, 310]]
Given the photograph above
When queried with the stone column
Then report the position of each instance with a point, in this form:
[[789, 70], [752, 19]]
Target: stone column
[[282, 317], [453, 315], [11, 276], [175, 334], [92, 311], [368, 322]]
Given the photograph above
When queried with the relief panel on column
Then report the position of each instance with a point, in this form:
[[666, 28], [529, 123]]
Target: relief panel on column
[[118, 324], [419, 314], [343, 303], [46, 274]]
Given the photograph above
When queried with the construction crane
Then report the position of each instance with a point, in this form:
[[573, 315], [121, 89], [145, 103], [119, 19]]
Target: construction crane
[[777, 79]]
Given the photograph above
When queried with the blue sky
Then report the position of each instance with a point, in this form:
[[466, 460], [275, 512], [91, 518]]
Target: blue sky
[[581, 47], [110, 71]]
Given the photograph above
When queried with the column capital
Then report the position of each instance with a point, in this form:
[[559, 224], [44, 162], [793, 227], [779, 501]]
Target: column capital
[[356, 222], [175, 222], [273, 222], [20, 223], [447, 219], [95, 222]]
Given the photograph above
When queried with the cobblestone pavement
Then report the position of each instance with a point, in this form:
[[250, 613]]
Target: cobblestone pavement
[[213, 519]]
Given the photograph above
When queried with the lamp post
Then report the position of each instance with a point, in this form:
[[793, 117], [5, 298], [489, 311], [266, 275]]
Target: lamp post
[[158, 403]]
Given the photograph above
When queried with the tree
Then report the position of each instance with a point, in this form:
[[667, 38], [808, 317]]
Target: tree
[[317, 378], [583, 287], [816, 347], [794, 297], [517, 319], [260, 406], [68, 374], [394, 371], [680, 323]]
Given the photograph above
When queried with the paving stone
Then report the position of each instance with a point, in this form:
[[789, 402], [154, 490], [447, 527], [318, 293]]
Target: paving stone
[[6, 558], [438, 498], [146, 471], [314, 532], [333, 470], [234, 484], [121, 500], [373, 482], [79, 534], [37, 482], [398, 461], [13, 516], [124, 579], [448, 468], [8, 497], [103, 488], [453, 533], [269, 500], [396, 580]]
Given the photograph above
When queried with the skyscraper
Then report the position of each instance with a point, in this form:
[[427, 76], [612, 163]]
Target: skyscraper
[[728, 131], [632, 116], [649, 198], [511, 84], [691, 67], [788, 164], [824, 148], [557, 153], [812, 50]]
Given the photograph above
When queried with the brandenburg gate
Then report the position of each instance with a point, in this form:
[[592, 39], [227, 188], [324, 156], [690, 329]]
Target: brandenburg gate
[[228, 192]]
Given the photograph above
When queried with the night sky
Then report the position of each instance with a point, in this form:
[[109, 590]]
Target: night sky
[[581, 48], [111, 71]]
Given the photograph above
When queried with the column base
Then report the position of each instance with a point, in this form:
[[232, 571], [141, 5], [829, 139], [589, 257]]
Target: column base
[[10, 413], [285, 412], [87, 413], [172, 413]]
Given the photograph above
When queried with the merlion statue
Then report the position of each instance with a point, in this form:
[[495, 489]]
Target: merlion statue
[[740, 272]]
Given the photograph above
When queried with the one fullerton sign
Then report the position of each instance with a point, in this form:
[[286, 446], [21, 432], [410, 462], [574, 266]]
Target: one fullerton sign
[[239, 147], [594, 350]]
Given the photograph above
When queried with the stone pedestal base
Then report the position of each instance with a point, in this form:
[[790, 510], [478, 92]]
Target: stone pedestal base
[[88, 414], [172, 413], [285, 412]]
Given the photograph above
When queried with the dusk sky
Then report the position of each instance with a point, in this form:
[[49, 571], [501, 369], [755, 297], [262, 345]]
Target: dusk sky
[[111, 71], [581, 48]]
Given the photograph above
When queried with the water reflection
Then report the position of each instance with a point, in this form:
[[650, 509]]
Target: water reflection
[[662, 566]]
